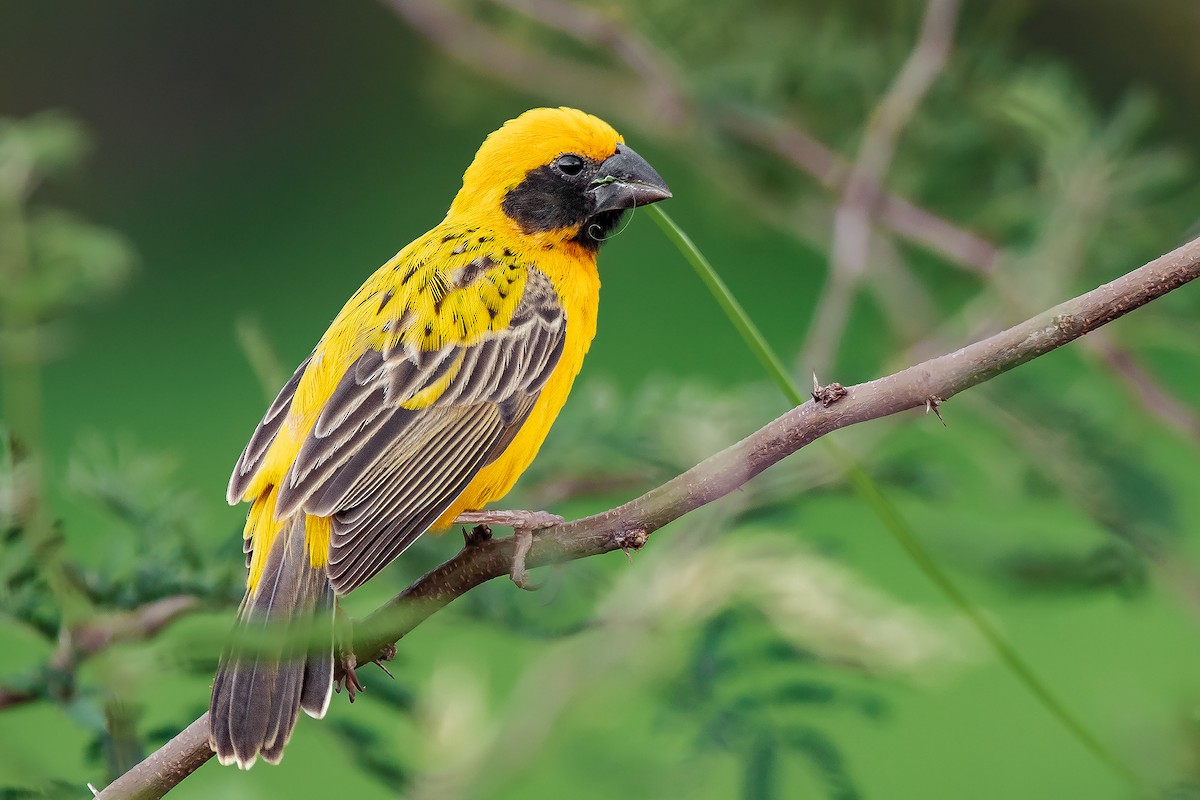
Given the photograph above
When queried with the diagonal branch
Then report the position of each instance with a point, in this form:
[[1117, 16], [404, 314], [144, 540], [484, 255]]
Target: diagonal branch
[[628, 526], [961, 247], [1143, 387]]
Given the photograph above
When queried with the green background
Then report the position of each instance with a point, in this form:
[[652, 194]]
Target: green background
[[264, 157]]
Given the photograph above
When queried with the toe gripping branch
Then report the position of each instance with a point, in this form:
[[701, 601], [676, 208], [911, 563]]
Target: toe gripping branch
[[523, 524], [348, 663]]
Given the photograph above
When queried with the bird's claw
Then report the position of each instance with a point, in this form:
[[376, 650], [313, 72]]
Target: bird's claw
[[349, 677], [349, 664]]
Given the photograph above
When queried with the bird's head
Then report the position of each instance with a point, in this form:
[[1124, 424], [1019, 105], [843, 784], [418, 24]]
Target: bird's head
[[558, 175]]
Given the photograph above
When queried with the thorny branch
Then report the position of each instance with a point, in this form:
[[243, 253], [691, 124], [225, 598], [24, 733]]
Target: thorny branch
[[629, 526]]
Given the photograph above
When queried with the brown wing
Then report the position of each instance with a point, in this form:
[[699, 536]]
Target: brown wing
[[384, 472]]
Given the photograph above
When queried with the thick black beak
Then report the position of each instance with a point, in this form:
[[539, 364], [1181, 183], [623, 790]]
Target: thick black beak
[[625, 180]]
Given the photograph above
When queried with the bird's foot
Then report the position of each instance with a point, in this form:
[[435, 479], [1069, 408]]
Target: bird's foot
[[343, 632], [523, 524], [522, 520], [348, 680], [347, 662], [518, 573]]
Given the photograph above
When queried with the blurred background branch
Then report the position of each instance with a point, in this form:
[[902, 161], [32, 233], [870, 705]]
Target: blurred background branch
[[51, 264], [853, 221]]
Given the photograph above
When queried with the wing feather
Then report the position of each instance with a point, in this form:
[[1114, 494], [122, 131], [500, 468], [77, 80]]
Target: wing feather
[[350, 394], [405, 431], [357, 465], [368, 536], [321, 456], [415, 465], [264, 435], [383, 524]]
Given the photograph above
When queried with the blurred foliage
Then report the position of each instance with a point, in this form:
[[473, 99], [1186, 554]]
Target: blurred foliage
[[64, 261], [53, 263], [157, 547], [769, 646]]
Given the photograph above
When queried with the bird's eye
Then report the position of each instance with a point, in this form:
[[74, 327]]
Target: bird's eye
[[569, 165]]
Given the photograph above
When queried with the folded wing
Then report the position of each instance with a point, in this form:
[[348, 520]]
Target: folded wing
[[405, 431]]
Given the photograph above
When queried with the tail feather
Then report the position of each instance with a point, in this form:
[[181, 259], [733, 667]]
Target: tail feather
[[317, 687], [281, 718], [273, 669]]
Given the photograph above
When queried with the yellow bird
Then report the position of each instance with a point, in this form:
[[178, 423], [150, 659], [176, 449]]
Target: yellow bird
[[429, 395]]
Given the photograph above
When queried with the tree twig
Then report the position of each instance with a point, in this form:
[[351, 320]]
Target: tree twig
[[629, 525], [901, 216], [853, 221], [473, 43], [1143, 387], [166, 767], [587, 25], [97, 634]]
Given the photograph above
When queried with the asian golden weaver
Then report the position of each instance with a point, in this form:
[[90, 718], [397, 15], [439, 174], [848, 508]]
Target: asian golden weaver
[[429, 395]]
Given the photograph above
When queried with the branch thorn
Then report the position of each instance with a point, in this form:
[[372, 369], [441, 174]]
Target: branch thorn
[[632, 540], [931, 404], [827, 395]]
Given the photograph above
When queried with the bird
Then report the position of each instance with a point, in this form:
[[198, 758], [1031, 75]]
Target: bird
[[428, 396]]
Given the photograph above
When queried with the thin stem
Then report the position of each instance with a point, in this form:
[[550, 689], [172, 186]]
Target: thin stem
[[891, 517], [904, 534], [729, 304]]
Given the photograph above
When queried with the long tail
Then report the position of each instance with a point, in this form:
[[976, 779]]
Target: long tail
[[273, 669]]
